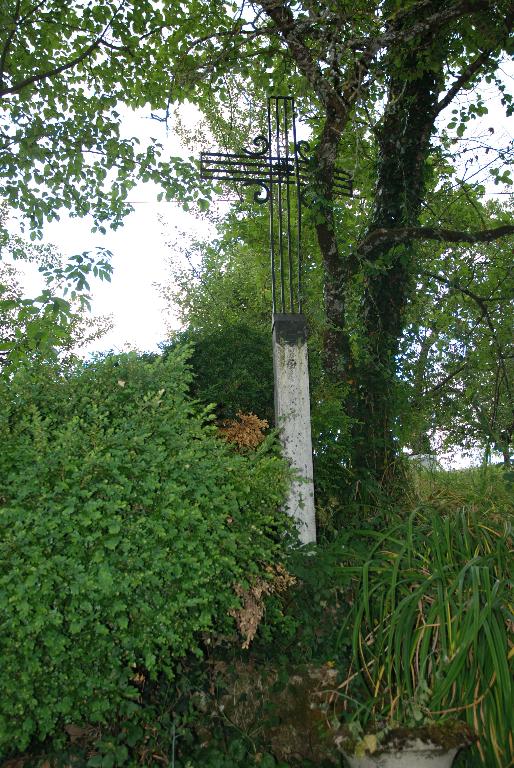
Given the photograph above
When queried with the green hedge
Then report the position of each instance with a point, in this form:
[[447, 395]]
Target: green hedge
[[124, 524], [233, 367]]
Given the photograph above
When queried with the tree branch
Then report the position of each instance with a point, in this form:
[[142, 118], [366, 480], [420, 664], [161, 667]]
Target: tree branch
[[381, 237], [408, 24], [463, 79], [481, 303], [9, 40], [471, 70], [31, 11], [17, 87], [443, 382], [32, 79], [284, 20]]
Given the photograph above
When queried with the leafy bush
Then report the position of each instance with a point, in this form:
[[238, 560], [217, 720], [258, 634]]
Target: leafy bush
[[233, 367], [125, 524]]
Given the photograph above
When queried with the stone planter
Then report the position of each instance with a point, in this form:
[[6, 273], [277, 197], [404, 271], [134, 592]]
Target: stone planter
[[427, 748], [415, 754]]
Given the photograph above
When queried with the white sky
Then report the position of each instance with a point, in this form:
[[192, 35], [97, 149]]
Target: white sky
[[140, 253], [139, 261]]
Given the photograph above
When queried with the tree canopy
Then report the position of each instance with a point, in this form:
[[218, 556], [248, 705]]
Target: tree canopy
[[389, 89], [67, 69]]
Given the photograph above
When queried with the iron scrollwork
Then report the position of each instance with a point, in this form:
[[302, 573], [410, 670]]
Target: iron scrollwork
[[303, 149], [259, 141], [260, 195], [281, 168]]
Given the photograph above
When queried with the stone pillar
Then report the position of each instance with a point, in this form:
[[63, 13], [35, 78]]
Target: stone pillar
[[293, 416]]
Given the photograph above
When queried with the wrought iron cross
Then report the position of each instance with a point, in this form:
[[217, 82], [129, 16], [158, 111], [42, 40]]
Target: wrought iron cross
[[281, 169]]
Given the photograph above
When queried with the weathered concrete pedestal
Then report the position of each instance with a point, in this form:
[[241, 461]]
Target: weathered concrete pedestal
[[293, 416]]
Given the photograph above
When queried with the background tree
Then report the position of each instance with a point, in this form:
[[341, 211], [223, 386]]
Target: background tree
[[394, 68], [457, 352], [221, 290]]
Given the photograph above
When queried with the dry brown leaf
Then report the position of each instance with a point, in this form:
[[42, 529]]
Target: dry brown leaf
[[249, 615], [245, 432]]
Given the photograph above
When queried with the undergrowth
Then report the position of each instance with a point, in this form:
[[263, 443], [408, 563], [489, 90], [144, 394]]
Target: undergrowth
[[186, 723]]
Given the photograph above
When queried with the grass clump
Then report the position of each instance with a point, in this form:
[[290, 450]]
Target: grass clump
[[487, 490]]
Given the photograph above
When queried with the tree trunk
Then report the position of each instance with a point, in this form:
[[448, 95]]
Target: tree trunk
[[505, 446], [389, 271], [336, 351]]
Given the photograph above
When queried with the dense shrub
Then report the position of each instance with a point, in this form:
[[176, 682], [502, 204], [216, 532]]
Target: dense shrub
[[124, 525], [233, 367]]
